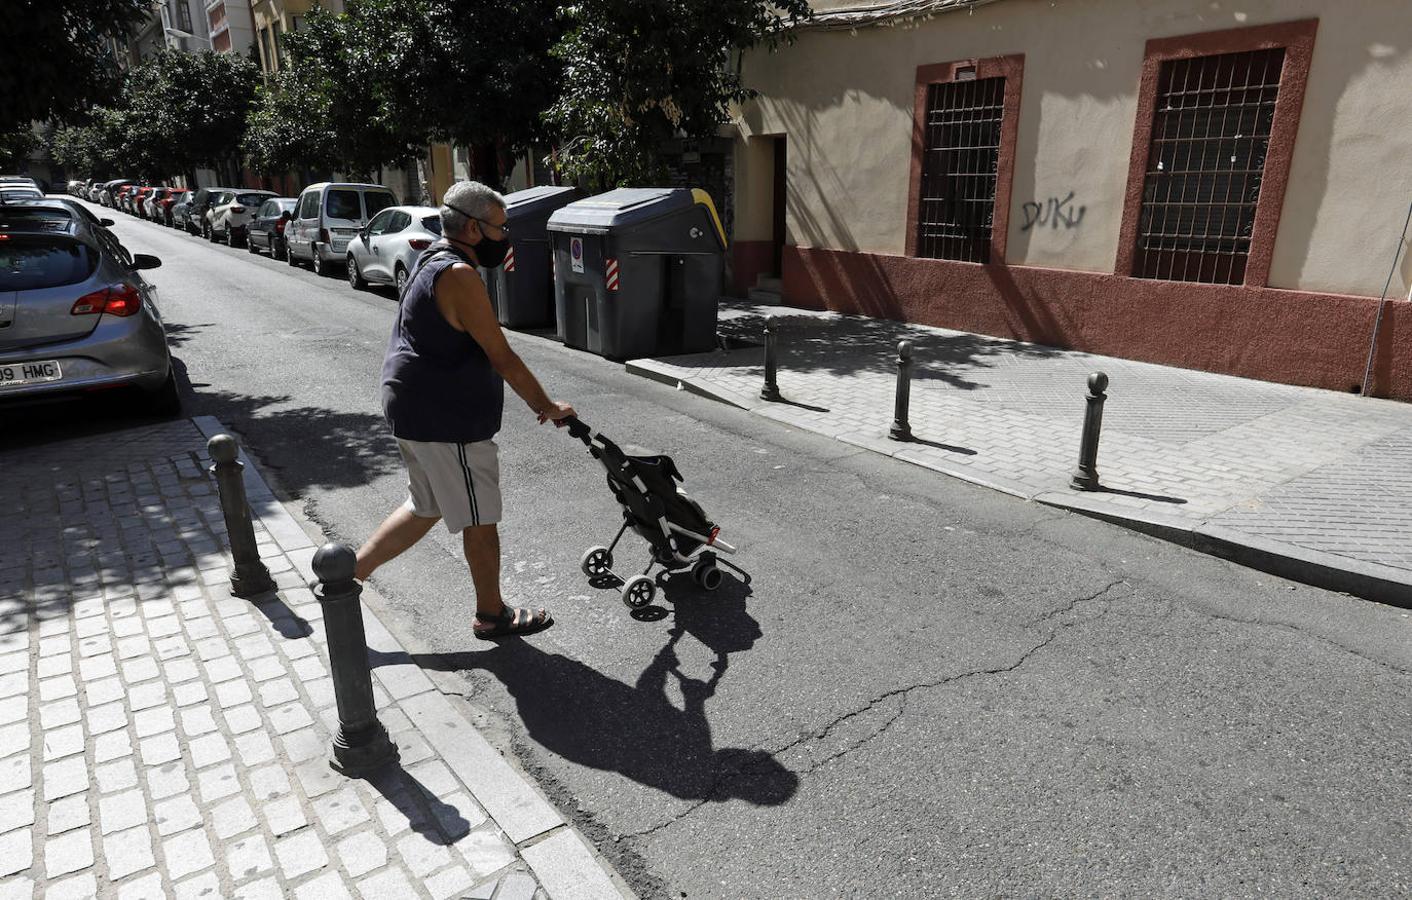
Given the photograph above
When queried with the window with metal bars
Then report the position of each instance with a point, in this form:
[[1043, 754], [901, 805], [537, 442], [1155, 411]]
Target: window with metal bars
[[961, 155], [1210, 135]]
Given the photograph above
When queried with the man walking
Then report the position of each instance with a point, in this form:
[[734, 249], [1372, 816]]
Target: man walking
[[443, 391]]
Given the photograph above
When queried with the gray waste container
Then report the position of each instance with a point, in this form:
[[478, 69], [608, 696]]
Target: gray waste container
[[522, 288], [638, 272]]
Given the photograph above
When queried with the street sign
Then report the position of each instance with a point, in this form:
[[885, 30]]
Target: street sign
[[576, 254]]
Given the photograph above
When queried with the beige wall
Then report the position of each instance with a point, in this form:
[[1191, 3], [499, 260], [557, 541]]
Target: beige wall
[[845, 103]]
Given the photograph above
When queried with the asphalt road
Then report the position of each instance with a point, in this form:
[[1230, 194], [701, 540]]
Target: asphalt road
[[926, 688]]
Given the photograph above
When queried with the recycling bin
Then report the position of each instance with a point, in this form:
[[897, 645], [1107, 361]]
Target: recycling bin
[[522, 288], [638, 272]]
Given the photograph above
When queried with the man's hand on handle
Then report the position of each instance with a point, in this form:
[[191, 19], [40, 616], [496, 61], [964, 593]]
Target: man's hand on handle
[[556, 412]]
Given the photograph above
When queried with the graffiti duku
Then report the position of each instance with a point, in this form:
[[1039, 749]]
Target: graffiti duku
[[1055, 213]]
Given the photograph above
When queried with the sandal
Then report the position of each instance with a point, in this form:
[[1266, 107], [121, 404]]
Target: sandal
[[511, 620]]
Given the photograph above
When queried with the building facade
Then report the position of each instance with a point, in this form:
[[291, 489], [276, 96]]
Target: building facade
[[1199, 185], [275, 18]]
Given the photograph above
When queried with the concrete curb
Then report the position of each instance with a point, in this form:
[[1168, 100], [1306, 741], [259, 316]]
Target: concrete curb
[[566, 865], [1371, 581]]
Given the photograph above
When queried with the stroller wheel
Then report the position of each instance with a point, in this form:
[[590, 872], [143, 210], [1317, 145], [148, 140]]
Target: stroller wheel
[[639, 591], [596, 561], [706, 575]]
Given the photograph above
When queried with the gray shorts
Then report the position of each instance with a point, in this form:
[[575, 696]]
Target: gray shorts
[[460, 483]]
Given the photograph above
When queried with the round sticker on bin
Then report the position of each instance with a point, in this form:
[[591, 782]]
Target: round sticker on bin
[[576, 254]]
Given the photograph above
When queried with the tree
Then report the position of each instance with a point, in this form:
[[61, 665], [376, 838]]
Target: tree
[[638, 72], [15, 148], [183, 111], [57, 63], [472, 72], [333, 106], [95, 148]]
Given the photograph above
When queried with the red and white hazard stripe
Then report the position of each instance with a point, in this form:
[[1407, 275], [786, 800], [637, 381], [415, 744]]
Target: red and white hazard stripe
[[612, 275], [510, 258]]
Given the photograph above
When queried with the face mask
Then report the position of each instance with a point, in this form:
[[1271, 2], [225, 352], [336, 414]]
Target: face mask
[[490, 253]]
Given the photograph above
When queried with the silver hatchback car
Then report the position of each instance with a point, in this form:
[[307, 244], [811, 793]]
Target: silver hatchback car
[[386, 249], [76, 315]]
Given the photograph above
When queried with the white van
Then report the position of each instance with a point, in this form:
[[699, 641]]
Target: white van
[[329, 215]]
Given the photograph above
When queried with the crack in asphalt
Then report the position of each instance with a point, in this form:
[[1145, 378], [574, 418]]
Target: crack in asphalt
[[1285, 626], [901, 693]]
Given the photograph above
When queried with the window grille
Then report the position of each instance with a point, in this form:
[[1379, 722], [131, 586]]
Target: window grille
[[961, 156], [1210, 136]]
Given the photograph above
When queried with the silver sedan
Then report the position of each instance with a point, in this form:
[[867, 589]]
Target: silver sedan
[[386, 249], [77, 315]]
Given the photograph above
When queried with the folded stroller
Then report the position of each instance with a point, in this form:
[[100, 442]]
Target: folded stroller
[[676, 527]]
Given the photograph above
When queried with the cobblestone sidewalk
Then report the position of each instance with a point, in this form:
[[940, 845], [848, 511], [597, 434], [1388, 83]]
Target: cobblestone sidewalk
[[160, 738], [1311, 473]]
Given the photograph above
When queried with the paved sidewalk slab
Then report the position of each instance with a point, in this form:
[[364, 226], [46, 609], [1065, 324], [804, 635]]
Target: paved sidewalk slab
[[160, 738], [1317, 485]]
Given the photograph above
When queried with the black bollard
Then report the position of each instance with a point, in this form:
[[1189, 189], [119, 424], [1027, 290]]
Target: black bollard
[[249, 577], [1086, 475], [901, 429], [771, 390], [361, 745]]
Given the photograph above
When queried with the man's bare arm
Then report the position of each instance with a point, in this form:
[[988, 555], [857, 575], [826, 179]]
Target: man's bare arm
[[462, 299]]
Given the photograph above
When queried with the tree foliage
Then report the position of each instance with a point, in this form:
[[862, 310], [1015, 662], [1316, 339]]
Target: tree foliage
[[15, 148], [335, 104], [56, 63], [638, 72]]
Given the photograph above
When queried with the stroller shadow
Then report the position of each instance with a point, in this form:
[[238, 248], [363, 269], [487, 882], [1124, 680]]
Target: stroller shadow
[[588, 718]]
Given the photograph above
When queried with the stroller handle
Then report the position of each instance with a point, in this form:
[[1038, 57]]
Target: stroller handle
[[578, 429]]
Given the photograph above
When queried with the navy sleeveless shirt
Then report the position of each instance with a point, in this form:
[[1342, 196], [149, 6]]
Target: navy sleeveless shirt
[[437, 383]]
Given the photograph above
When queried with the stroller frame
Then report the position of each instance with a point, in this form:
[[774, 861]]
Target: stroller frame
[[675, 547]]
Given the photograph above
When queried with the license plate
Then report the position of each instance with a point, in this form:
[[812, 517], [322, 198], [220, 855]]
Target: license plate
[[29, 372]]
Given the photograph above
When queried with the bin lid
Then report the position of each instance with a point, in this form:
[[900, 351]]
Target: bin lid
[[544, 198]]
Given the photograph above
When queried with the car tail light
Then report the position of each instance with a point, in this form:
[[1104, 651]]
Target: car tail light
[[323, 236], [237, 209], [279, 226], [419, 243], [118, 300]]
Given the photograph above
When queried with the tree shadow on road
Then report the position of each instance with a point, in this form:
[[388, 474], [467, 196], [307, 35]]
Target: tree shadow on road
[[586, 717]]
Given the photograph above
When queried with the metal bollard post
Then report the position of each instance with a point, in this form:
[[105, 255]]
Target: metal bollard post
[[361, 745], [901, 429], [249, 577], [1086, 475], [771, 390]]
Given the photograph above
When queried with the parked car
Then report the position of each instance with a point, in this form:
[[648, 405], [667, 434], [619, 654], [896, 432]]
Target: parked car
[[83, 318], [327, 217], [136, 198], [164, 206], [231, 215], [266, 230], [124, 195], [12, 191], [24, 180], [196, 221], [386, 249], [149, 204], [83, 212], [111, 189]]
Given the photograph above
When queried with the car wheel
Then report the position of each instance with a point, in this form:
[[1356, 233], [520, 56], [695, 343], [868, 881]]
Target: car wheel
[[164, 402], [401, 278], [208, 232], [355, 275], [230, 238], [250, 245], [322, 268], [289, 255]]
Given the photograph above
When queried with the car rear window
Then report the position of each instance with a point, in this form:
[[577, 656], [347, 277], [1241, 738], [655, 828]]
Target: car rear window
[[343, 205], [34, 218], [28, 264], [432, 224], [251, 199], [377, 201]]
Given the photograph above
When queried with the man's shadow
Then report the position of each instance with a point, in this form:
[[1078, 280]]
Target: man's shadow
[[591, 719]]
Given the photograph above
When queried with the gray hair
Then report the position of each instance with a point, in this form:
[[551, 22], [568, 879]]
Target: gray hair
[[473, 199]]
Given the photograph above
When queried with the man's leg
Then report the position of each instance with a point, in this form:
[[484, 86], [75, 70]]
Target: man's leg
[[396, 534], [482, 543]]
